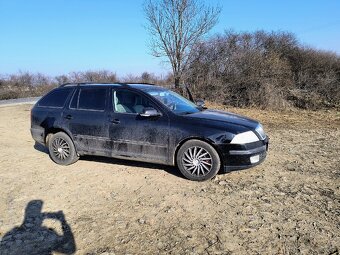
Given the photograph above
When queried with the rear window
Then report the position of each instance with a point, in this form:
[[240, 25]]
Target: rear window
[[92, 99], [55, 98]]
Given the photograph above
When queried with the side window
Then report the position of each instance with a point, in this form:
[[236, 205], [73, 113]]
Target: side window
[[56, 98], [125, 101], [92, 99]]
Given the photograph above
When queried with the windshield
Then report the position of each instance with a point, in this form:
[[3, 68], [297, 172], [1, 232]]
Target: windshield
[[174, 101]]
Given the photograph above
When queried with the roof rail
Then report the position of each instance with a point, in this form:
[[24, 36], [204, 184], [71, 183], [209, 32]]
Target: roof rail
[[142, 83], [67, 84], [93, 83]]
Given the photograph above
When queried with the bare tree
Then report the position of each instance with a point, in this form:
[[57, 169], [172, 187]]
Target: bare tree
[[175, 26]]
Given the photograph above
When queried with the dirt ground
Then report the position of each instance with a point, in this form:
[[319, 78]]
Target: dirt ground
[[287, 205]]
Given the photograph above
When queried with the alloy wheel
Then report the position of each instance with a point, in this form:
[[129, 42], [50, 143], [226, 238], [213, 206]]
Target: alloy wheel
[[61, 148], [197, 161]]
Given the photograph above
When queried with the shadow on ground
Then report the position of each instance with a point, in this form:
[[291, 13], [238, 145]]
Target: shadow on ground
[[40, 147], [31, 237], [131, 163], [169, 169]]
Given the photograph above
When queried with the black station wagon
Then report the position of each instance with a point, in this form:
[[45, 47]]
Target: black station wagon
[[147, 123]]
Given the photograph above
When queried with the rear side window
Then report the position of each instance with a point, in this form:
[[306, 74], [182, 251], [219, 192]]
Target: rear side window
[[55, 98], [92, 99]]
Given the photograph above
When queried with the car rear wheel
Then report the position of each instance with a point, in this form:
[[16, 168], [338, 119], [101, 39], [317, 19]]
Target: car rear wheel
[[198, 160], [61, 149]]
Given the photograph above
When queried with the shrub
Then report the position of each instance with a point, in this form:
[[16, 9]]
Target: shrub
[[268, 70]]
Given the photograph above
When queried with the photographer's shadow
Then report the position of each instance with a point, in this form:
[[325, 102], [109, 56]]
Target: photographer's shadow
[[34, 238]]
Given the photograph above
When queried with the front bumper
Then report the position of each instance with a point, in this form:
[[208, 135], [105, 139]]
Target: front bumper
[[243, 156]]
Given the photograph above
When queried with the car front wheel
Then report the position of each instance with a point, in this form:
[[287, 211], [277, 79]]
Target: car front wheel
[[198, 160], [61, 149]]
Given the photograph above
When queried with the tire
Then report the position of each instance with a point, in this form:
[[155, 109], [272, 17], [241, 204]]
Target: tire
[[61, 149], [198, 160]]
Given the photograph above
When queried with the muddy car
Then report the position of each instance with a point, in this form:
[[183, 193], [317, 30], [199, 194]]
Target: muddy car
[[146, 123]]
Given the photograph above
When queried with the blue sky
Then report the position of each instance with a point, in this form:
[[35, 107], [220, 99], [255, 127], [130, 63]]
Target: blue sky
[[60, 36]]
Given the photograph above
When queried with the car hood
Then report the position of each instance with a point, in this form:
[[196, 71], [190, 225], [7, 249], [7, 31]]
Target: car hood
[[227, 117]]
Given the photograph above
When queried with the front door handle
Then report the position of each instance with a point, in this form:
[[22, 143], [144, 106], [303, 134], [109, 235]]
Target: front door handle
[[68, 116], [115, 121]]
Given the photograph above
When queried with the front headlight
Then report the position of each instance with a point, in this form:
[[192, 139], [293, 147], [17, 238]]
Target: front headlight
[[246, 137], [260, 131]]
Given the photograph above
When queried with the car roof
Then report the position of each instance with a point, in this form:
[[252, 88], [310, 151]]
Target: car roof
[[141, 86]]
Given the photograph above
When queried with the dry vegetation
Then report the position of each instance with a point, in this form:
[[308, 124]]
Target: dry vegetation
[[269, 70], [266, 70], [26, 84], [287, 205]]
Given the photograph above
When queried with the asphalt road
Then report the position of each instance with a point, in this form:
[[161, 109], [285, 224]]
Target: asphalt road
[[18, 101]]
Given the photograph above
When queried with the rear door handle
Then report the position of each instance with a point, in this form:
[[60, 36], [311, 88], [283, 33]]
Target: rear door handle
[[69, 117]]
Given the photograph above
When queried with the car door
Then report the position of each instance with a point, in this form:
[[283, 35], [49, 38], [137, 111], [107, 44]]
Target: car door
[[87, 121], [135, 136]]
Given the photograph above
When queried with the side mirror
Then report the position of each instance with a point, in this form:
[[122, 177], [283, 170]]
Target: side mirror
[[149, 112], [200, 103]]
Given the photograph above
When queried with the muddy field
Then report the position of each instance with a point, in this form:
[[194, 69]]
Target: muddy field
[[287, 205]]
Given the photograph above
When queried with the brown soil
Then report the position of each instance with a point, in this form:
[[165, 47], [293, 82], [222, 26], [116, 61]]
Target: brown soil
[[287, 205]]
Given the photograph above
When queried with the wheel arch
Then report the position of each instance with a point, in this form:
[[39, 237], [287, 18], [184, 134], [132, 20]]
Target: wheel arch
[[208, 141], [54, 130]]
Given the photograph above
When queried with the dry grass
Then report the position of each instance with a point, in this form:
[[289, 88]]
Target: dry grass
[[288, 205]]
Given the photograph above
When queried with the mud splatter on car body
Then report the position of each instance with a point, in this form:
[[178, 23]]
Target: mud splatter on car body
[[107, 126]]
